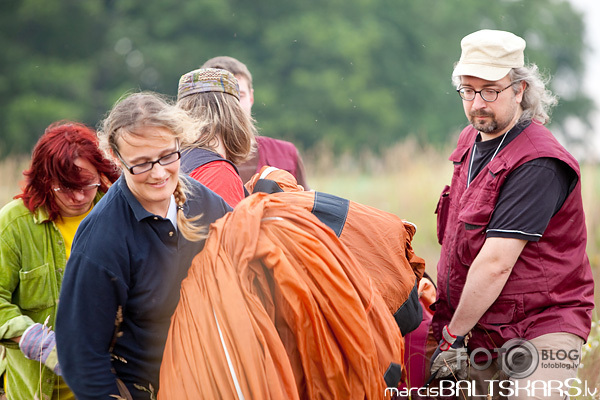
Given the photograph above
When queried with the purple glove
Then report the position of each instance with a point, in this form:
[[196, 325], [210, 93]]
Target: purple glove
[[38, 343]]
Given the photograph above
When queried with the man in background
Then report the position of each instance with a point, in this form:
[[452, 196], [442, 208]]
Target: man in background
[[269, 151]]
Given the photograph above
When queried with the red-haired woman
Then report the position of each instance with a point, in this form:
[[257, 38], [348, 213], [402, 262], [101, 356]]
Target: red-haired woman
[[67, 176]]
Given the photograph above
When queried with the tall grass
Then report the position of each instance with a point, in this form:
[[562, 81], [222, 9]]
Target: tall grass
[[11, 177], [406, 180]]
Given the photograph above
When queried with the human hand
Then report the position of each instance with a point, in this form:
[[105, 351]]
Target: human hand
[[38, 343], [450, 357]]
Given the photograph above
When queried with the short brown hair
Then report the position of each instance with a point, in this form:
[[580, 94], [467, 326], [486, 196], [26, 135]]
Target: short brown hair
[[230, 64]]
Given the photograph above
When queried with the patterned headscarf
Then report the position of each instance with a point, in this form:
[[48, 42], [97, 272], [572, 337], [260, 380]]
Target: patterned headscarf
[[208, 80]]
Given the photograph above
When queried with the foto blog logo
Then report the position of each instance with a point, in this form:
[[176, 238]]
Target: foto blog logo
[[518, 358]]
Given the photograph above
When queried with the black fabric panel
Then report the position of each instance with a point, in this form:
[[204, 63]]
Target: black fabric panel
[[266, 186], [393, 375], [331, 210], [410, 314]]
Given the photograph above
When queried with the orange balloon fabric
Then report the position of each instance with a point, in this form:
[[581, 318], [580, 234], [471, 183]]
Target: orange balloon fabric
[[380, 241], [275, 307]]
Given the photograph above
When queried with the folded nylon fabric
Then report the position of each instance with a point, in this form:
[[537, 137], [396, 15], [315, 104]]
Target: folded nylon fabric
[[380, 241], [274, 307]]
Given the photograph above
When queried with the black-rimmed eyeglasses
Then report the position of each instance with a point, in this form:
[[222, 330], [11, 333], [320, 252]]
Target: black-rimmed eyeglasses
[[487, 94], [148, 165]]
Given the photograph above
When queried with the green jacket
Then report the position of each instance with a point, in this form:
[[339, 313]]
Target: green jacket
[[32, 264]]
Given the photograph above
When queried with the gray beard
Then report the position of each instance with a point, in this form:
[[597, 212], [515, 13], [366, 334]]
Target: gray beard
[[486, 128]]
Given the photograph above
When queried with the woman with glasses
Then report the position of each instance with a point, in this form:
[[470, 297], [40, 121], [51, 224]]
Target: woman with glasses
[[131, 254], [213, 95], [67, 176]]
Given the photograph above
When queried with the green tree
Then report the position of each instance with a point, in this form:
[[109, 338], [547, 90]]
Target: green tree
[[47, 67], [353, 74]]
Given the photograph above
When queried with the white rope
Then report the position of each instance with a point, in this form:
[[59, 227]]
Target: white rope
[[267, 172], [229, 364]]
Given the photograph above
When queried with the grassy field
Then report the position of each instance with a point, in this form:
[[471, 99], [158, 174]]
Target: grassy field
[[406, 181]]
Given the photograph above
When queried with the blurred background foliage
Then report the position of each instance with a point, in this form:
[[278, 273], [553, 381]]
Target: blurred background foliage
[[346, 74]]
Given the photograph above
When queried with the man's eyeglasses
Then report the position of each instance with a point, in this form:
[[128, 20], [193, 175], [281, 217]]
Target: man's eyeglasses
[[148, 165], [70, 191], [487, 94]]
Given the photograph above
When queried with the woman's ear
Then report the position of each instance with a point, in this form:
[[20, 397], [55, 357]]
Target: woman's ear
[[114, 158]]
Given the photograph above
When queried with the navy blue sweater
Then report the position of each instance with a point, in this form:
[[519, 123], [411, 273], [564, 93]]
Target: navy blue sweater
[[124, 256]]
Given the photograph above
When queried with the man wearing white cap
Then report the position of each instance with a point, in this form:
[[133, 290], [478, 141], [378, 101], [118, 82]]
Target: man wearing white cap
[[512, 228]]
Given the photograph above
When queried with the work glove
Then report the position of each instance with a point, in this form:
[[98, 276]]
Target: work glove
[[450, 357], [38, 343]]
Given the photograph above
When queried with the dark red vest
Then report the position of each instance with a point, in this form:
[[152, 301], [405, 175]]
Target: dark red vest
[[551, 288], [277, 153]]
